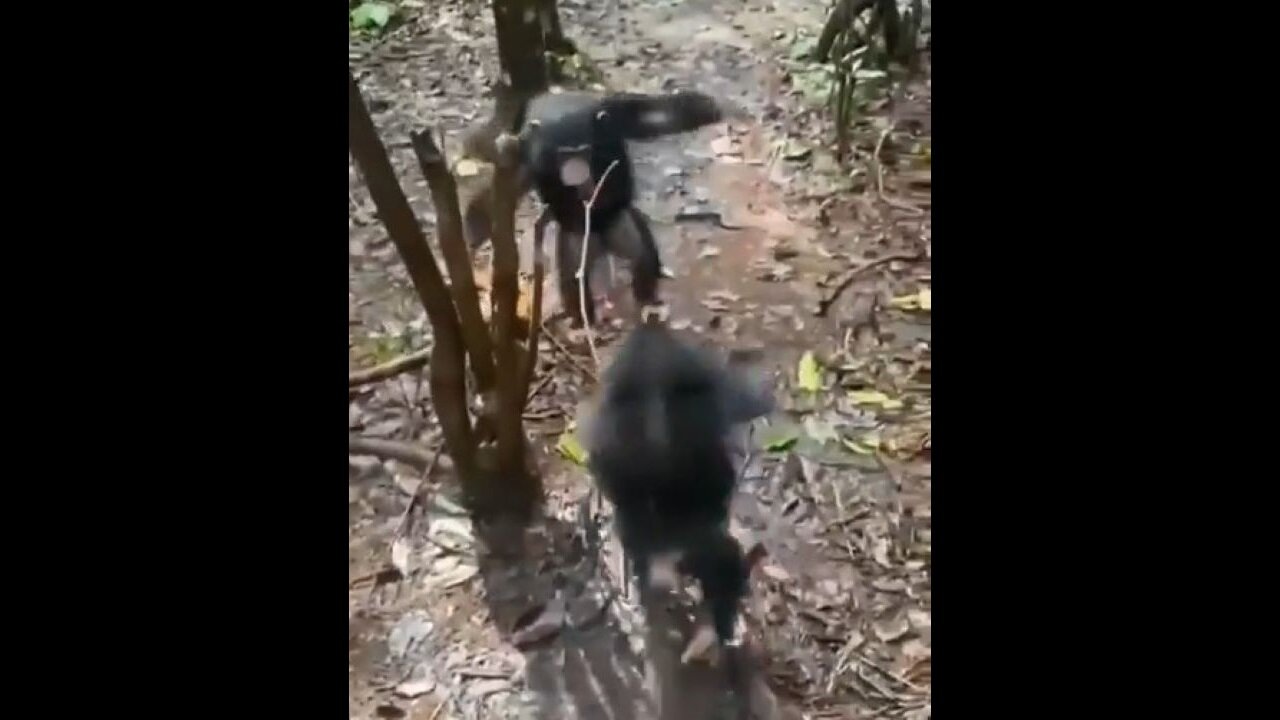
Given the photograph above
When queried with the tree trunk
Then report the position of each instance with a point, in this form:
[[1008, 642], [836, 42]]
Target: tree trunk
[[448, 366], [520, 44]]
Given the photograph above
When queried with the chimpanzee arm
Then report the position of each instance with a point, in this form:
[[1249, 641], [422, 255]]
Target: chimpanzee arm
[[644, 117]]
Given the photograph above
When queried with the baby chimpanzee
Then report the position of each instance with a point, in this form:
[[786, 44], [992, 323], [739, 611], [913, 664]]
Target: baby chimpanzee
[[658, 448]]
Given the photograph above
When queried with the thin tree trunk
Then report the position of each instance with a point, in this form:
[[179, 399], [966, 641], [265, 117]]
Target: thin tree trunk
[[447, 375], [520, 44], [444, 195]]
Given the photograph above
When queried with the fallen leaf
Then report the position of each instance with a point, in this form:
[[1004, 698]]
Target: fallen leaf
[[774, 571], [808, 375], [723, 145], [400, 550], [866, 445], [420, 682], [409, 483], [889, 584], [819, 430], [459, 575], [371, 14], [451, 533], [484, 688], [780, 439], [709, 251], [874, 397], [920, 619], [880, 552], [891, 628], [914, 650], [408, 631], [920, 300], [571, 449], [466, 167]]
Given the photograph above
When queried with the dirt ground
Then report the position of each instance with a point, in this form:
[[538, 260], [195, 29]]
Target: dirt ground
[[837, 482]]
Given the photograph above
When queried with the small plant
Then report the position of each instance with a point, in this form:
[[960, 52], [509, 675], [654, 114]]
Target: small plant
[[372, 17], [864, 48]]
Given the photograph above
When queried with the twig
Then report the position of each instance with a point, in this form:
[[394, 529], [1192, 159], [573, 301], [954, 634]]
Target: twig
[[546, 379], [417, 493], [901, 205], [408, 453], [389, 369], [880, 166], [868, 661], [582, 265], [825, 304], [568, 353], [535, 310]]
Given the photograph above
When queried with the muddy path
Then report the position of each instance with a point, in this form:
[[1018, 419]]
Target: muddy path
[[837, 483]]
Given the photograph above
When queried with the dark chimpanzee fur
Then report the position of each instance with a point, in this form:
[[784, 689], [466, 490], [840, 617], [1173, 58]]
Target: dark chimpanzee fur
[[658, 449], [592, 130]]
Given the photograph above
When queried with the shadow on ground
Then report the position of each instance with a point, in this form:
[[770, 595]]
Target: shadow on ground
[[589, 669]]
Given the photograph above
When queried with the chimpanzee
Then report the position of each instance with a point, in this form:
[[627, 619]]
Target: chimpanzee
[[569, 140], [658, 448]]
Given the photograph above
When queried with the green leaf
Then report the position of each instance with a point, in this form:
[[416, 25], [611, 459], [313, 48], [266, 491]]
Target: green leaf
[[371, 14], [781, 440], [874, 397], [819, 430], [571, 449], [809, 375], [866, 445]]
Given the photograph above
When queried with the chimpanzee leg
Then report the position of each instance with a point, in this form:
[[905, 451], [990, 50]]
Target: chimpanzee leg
[[631, 238], [568, 256]]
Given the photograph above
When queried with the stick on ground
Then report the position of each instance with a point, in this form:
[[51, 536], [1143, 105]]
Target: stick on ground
[[390, 368], [408, 453]]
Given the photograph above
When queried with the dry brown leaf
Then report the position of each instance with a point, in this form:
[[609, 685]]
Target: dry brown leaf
[[400, 551], [892, 627], [724, 145], [773, 571]]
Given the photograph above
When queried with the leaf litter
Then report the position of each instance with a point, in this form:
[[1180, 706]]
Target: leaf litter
[[844, 540]]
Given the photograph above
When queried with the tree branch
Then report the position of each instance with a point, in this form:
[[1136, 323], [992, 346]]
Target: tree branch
[[840, 19], [447, 378], [535, 312], [444, 195], [390, 368], [506, 290], [407, 453]]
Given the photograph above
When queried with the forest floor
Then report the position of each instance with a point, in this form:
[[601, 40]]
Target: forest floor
[[837, 486]]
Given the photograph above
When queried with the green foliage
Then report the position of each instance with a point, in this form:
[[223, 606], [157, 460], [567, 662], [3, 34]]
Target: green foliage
[[372, 17]]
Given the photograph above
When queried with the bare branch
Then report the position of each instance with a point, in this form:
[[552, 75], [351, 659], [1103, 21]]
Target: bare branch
[[506, 293], [535, 312], [444, 195], [389, 369], [840, 19], [447, 378], [407, 453]]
